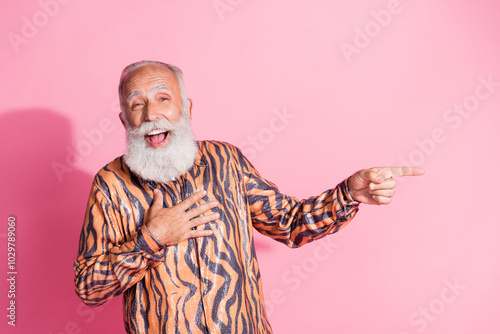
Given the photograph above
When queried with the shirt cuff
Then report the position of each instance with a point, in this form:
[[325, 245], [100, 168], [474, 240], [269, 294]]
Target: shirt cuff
[[348, 206], [344, 189], [148, 244]]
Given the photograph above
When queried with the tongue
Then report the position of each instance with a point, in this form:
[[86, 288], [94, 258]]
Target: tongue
[[156, 139]]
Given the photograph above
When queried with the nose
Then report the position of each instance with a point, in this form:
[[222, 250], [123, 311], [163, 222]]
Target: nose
[[152, 112]]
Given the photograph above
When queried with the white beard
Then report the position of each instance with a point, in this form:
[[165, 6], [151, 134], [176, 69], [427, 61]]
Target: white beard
[[162, 164]]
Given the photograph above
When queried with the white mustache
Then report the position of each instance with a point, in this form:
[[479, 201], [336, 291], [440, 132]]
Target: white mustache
[[146, 127]]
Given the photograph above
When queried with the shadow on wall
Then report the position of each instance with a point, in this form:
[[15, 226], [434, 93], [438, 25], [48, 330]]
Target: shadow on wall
[[49, 208], [49, 214]]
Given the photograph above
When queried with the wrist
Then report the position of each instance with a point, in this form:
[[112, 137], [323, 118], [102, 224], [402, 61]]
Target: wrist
[[152, 231], [348, 188]]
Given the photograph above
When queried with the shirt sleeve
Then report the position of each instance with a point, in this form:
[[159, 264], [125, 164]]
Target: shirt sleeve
[[291, 221], [107, 264]]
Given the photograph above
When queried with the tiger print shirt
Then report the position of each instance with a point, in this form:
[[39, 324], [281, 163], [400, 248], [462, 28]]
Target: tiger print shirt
[[201, 285]]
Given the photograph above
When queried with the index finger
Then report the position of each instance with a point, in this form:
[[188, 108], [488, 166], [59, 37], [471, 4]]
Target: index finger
[[188, 202], [401, 171]]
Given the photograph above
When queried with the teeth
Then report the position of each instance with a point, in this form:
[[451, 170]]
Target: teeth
[[155, 132]]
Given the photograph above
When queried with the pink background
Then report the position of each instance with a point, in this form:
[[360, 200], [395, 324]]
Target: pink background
[[245, 62]]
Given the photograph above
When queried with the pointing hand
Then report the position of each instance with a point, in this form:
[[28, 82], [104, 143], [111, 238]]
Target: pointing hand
[[376, 185]]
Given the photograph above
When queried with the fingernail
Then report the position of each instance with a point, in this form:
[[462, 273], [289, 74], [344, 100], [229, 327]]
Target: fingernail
[[155, 191]]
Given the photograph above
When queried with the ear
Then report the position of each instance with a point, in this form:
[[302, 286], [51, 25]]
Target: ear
[[122, 115], [190, 107]]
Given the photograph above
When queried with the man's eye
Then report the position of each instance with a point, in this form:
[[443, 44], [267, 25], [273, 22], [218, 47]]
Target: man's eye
[[137, 106], [163, 99]]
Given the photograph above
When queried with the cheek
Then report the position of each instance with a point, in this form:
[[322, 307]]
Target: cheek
[[173, 114], [135, 120]]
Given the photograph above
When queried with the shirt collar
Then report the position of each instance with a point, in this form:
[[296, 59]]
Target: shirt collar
[[200, 159]]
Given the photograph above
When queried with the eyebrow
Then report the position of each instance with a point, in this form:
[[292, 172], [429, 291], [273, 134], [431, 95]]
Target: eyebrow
[[132, 94], [155, 89], [160, 87]]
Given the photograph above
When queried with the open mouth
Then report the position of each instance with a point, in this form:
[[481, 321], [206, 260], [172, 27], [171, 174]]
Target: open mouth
[[157, 138]]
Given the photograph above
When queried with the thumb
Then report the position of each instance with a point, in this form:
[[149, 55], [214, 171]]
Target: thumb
[[157, 200]]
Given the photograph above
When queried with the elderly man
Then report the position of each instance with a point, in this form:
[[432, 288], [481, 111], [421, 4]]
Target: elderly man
[[170, 223]]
